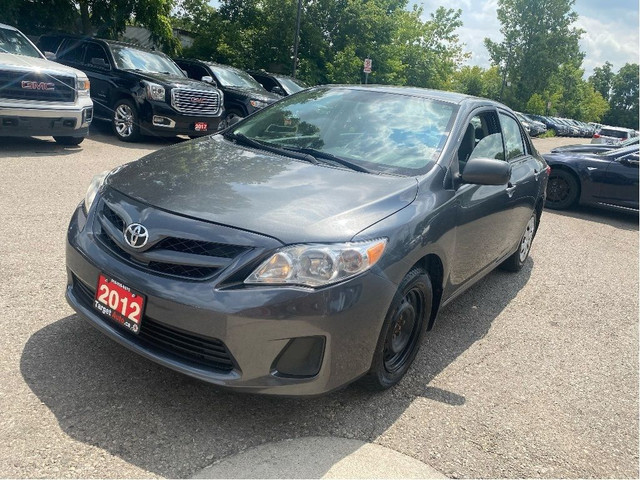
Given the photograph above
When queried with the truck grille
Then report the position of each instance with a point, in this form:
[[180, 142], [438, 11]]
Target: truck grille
[[196, 102], [37, 86], [206, 351], [171, 256]]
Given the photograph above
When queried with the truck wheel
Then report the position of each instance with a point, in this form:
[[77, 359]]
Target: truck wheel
[[69, 141], [402, 331], [125, 121]]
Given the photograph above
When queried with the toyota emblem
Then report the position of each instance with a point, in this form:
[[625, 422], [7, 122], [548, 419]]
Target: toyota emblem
[[136, 235]]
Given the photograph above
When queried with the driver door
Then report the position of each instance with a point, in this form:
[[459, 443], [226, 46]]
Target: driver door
[[620, 186]]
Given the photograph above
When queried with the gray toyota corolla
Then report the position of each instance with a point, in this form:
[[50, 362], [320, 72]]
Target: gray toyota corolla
[[310, 244]]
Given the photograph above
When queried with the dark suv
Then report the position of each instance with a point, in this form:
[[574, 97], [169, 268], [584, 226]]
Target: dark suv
[[142, 91], [242, 94], [277, 83]]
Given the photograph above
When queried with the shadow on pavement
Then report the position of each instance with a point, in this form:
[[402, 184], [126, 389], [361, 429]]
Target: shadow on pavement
[[614, 218], [171, 425], [101, 131], [15, 147]]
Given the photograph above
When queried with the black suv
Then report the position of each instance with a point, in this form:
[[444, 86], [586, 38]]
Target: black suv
[[142, 91], [277, 83], [242, 94]]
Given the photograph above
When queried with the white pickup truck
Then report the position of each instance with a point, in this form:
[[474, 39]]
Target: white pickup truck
[[40, 97]]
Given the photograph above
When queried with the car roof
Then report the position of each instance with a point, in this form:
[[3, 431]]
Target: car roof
[[108, 42], [441, 95], [8, 27]]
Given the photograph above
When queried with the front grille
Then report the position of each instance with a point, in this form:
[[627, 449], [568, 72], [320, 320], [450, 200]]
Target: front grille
[[37, 86], [219, 254], [196, 102], [205, 351]]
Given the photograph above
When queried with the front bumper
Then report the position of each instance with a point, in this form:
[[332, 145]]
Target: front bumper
[[161, 119], [24, 119], [255, 324]]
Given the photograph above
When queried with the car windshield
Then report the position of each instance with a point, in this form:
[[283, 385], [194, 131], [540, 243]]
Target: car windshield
[[228, 77], [376, 131], [129, 58], [12, 41], [620, 151], [290, 85]]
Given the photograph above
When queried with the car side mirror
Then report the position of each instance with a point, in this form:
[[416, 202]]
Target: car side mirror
[[50, 56], [99, 62], [209, 79], [278, 90], [486, 171], [631, 160]]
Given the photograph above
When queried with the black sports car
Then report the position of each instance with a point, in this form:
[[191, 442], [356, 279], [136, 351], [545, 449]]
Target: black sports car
[[608, 179], [595, 147]]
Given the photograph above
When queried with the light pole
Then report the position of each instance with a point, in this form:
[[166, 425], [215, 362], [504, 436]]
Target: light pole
[[296, 39]]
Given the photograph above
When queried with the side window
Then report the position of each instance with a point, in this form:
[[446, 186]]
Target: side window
[[71, 52], [512, 137], [481, 139], [95, 55], [194, 71]]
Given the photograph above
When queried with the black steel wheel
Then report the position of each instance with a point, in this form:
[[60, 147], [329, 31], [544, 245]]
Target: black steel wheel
[[562, 189], [402, 331]]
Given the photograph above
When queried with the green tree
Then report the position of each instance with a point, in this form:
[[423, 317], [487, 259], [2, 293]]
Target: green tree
[[538, 38], [602, 78], [624, 97], [106, 18]]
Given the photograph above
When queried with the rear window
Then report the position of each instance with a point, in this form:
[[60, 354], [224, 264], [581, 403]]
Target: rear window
[[613, 133]]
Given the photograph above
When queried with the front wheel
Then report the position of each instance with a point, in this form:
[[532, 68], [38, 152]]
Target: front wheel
[[516, 261], [402, 331], [562, 190], [69, 141], [125, 121]]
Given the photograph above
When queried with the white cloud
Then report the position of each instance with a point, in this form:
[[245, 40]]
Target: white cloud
[[611, 30]]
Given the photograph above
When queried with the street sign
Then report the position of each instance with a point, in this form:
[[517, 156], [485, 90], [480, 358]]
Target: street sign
[[367, 65]]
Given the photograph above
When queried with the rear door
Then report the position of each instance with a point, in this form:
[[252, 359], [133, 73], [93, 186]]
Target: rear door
[[97, 65], [524, 187]]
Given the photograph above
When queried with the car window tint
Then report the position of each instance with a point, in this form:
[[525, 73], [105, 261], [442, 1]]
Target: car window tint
[[512, 136], [95, 51], [72, 52], [481, 139]]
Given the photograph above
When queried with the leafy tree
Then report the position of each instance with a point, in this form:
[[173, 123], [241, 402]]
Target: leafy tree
[[624, 97], [602, 79], [106, 18], [536, 105], [538, 38]]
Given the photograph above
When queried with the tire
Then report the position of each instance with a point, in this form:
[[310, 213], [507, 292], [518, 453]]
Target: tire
[[233, 114], [69, 141], [562, 189], [516, 261], [125, 121], [402, 331]]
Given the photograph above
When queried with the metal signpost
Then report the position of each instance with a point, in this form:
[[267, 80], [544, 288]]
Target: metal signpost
[[367, 69]]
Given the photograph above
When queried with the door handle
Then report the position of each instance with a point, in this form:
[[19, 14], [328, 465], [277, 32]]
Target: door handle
[[510, 189]]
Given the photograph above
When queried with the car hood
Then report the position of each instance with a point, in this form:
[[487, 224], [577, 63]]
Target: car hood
[[288, 199], [22, 62], [173, 80], [256, 93]]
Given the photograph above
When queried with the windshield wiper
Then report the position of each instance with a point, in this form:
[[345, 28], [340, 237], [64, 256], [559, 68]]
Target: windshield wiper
[[332, 158], [243, 139]]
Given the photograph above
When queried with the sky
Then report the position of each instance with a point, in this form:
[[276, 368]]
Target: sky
[[611, 29]]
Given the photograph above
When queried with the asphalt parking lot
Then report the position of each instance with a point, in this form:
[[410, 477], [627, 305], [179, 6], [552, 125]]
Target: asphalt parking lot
[[532, 374]]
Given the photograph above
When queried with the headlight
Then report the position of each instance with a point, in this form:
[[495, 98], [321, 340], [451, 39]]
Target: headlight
[[154, 91], [258, 103], [94, 186], [316, 265], [82, 87]]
